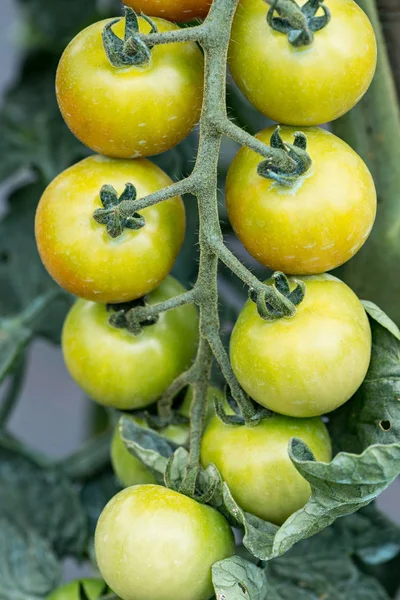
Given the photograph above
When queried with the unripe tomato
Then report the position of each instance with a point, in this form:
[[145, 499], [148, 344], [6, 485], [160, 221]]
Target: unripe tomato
[[121, 370], [255, 463], [173, 10], [94, 589], [153, 543], [78, 252], [309, 85], [130, 470], [310, 364], [130, 111], [316, 224]]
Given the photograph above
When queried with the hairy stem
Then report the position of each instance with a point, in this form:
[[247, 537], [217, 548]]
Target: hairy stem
[[188, 34], [214, 36], [185, 186]]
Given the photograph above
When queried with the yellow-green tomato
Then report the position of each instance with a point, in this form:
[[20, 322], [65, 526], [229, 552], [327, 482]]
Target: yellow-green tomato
[[130, 470], [93, 588], [77, 250], [153, 543], [119, 369], [309, 85], [310, 364], [313, 226], [255, 463], [130, 111]]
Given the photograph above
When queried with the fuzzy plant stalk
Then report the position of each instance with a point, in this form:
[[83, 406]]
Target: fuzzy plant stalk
[[283, 163]]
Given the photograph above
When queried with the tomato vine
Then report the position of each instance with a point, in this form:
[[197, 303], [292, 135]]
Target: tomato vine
[[214, 36]]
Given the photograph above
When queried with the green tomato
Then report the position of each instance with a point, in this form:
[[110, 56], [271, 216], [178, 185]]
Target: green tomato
[[129, 469], [310, 364], [255, 463], [121, 370], [153, 543], [309, 85], [94, 589]]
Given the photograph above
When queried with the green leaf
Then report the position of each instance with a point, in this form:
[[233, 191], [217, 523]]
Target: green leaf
[[319, 568], [149, 447], [386, 573], [31, 304], [29, 570], [363, 588], [371, 535], [380, 317], [96, 493], [51, 25], [237, 579], [42, 499], [339, 488], [372, 416], [34, 135]]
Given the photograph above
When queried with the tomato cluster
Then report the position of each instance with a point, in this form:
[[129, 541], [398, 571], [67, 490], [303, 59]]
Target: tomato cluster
[[305, 210]]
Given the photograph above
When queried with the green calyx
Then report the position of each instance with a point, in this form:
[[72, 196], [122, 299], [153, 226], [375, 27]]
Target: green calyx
[[132, 316], [132, 51], [277, 301], [287, 162], [236, 418], [113, 215], [298, 23]]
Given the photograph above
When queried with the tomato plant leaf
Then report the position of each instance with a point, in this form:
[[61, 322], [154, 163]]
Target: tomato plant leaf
[[319, 567], [42, 499], [96, 493], [370, 535], [29, 570], [52, 25], [30, 302], [238, 579], [339, 488], [380, 317], [34, 135], [372, 416], [149, 447]]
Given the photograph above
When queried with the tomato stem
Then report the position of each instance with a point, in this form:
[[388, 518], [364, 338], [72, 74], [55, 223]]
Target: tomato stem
[[134, 319], [135, 49], [13, 391], [273, 301], [298, 23]]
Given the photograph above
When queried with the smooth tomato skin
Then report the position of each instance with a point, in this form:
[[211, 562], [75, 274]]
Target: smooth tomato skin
[[78, 252], [313, 226], [116, 368], [255, 463], [173, 10], [310, 364], [128, 469], [310, 85], [153, 543], [131, 111], [94, 588]]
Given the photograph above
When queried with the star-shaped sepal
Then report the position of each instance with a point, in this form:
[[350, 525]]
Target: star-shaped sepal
[[117, 213]]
